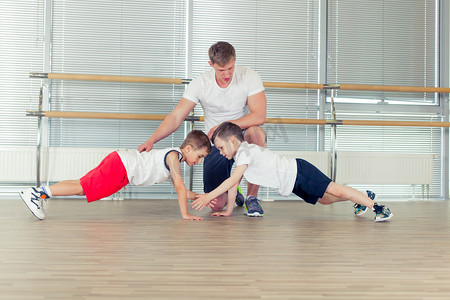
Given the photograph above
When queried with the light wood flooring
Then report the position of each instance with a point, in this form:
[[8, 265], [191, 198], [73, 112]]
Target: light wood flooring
[[142, 249]]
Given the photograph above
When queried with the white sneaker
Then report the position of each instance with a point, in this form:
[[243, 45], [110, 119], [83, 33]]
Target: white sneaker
[[34, 199]]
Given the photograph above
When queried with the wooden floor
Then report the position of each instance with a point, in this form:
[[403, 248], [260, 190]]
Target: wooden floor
[[142, 249]]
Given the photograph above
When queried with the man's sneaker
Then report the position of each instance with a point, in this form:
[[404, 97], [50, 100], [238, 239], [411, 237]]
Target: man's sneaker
[[239, 198], [382, 213], [361, 209], [34, 198], [253, 207]]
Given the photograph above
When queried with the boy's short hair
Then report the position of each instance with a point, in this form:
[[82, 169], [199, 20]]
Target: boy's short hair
[[227, 130], [221, 53], [198, 140]]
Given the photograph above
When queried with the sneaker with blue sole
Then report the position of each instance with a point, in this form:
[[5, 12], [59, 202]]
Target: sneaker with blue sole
[[239, 198], [253, 207], [361, 209]]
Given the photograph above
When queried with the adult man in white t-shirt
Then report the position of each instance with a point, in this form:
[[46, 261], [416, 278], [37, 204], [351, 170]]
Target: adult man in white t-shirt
[[226, 93]]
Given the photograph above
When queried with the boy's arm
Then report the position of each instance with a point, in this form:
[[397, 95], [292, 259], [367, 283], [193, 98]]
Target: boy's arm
[[234, 179], [191, 195], [177, 180]]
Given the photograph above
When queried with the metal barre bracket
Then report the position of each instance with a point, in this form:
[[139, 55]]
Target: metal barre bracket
[[38, 75], [331, 86], [35, 113]]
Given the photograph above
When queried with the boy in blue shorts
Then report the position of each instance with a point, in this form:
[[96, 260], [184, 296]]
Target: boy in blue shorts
[[288, 175], [124, 167]]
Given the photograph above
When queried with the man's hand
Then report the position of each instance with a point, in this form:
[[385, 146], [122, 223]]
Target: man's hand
[[201, 201], [147, 146], [191, 217], [211, 131]]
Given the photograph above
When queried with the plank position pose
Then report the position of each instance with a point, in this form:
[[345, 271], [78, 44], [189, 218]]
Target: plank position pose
[[289, 175], [226, 93], [128, 166]]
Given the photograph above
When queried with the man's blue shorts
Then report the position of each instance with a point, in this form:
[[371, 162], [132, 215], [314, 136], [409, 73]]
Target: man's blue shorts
[[311, 183], [216, 169]]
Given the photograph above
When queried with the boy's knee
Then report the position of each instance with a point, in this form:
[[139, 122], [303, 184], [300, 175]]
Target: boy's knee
[[325, 200]]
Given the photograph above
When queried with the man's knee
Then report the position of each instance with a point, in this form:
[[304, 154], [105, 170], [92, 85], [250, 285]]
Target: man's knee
[[221, 202], [255, 135]]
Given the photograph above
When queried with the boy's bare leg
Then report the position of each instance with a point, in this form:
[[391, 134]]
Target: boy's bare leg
[[337, 192], [67, 188]]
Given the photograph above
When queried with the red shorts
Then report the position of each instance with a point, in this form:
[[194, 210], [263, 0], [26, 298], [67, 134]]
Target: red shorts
[[106, 179]]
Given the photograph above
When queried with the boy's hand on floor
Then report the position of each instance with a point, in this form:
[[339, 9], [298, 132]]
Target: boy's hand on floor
[[221, 214], [191, 217]]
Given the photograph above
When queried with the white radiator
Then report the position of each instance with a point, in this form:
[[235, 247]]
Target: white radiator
[[18, 164], [70, 163], [384, 168]]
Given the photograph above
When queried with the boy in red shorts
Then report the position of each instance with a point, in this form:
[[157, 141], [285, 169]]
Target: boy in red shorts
[[124, 167]]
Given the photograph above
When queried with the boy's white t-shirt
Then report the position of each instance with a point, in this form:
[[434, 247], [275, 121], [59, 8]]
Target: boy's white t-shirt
[[224, 104], [267, 168], [146, 168]]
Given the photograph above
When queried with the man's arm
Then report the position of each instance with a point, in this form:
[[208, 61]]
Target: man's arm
[[177, 180], [171, 123], [257, 105], [234, 179]]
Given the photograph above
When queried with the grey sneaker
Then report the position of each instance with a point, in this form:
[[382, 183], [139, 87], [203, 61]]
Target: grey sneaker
[[382, 213], [361, 209], [34, 198], [253, 207]]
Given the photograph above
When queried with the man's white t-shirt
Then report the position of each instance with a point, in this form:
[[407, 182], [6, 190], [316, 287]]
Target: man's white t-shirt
[[224, 104], [267, 168], [146, 168]]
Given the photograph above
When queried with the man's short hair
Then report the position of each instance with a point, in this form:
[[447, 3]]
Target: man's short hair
[[221, 53], [227, 130], [198, 140]]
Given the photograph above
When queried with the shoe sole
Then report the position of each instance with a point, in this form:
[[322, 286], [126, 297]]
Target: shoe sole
[[362, 212], [255, 214], [385, 219], [24, 201]]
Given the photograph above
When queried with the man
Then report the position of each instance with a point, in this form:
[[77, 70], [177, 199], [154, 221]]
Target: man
[[226, 93]]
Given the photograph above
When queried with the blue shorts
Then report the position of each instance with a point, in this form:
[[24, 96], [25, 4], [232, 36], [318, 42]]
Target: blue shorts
[[311, 183], [216, 169]]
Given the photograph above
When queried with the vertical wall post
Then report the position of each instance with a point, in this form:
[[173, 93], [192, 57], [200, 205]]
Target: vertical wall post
[[333, 138], [443, 80], [322, 69]]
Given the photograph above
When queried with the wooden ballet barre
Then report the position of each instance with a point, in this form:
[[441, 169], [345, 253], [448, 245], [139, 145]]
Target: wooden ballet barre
[[154, 117], [394, 123], [291, 85], [286, 121], [115, 78], [97, 115], [393, 88], [139, 79]]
